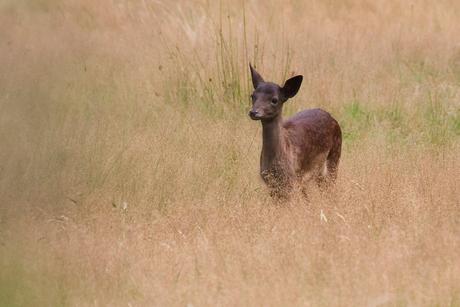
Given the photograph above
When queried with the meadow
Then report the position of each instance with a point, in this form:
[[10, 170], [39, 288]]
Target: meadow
[[129, 169]]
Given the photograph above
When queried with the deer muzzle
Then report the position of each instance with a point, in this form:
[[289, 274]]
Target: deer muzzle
[[254, 114]]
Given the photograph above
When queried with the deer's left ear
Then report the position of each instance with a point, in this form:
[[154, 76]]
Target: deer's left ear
[[291, 87], [257, 79]]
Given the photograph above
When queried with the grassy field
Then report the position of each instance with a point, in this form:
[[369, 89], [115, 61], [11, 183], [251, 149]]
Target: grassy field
[[129, 167]]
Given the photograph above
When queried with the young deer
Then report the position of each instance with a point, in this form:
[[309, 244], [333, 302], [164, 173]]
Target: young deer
[[304, 147]]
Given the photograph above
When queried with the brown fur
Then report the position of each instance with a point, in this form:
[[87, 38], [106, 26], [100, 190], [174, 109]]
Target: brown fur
[[304, 147]]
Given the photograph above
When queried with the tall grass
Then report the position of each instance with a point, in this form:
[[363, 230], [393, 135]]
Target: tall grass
[[129, 168]]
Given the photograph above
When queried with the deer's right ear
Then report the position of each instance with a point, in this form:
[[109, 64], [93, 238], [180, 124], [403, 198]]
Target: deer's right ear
[[292, 86], [257, 79]]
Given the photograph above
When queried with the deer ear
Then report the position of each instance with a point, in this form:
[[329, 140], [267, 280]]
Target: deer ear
[[291, 87], [257, 79]]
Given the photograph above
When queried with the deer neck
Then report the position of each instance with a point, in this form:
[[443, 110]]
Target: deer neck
[[274, 144]]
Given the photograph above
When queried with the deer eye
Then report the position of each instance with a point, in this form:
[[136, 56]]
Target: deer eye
[[274, 101]]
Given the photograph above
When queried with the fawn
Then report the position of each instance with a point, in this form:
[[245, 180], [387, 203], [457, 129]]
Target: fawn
[[294, 151]]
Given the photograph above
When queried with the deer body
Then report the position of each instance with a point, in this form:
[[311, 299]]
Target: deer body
[[304, 147]]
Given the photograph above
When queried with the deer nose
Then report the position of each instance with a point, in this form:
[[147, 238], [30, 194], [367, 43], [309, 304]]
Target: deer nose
[[253, 113]]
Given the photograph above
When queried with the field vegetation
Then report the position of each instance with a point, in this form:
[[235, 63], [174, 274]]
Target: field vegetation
[[129, 167]]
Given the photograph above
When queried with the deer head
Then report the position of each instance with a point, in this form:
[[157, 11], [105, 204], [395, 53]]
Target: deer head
[[268, 98]]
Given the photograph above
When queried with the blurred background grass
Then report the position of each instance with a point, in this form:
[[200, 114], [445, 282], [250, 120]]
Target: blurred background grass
[[129, 168]]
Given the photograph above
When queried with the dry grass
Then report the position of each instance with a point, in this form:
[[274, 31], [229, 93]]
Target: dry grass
[[129, 168]]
